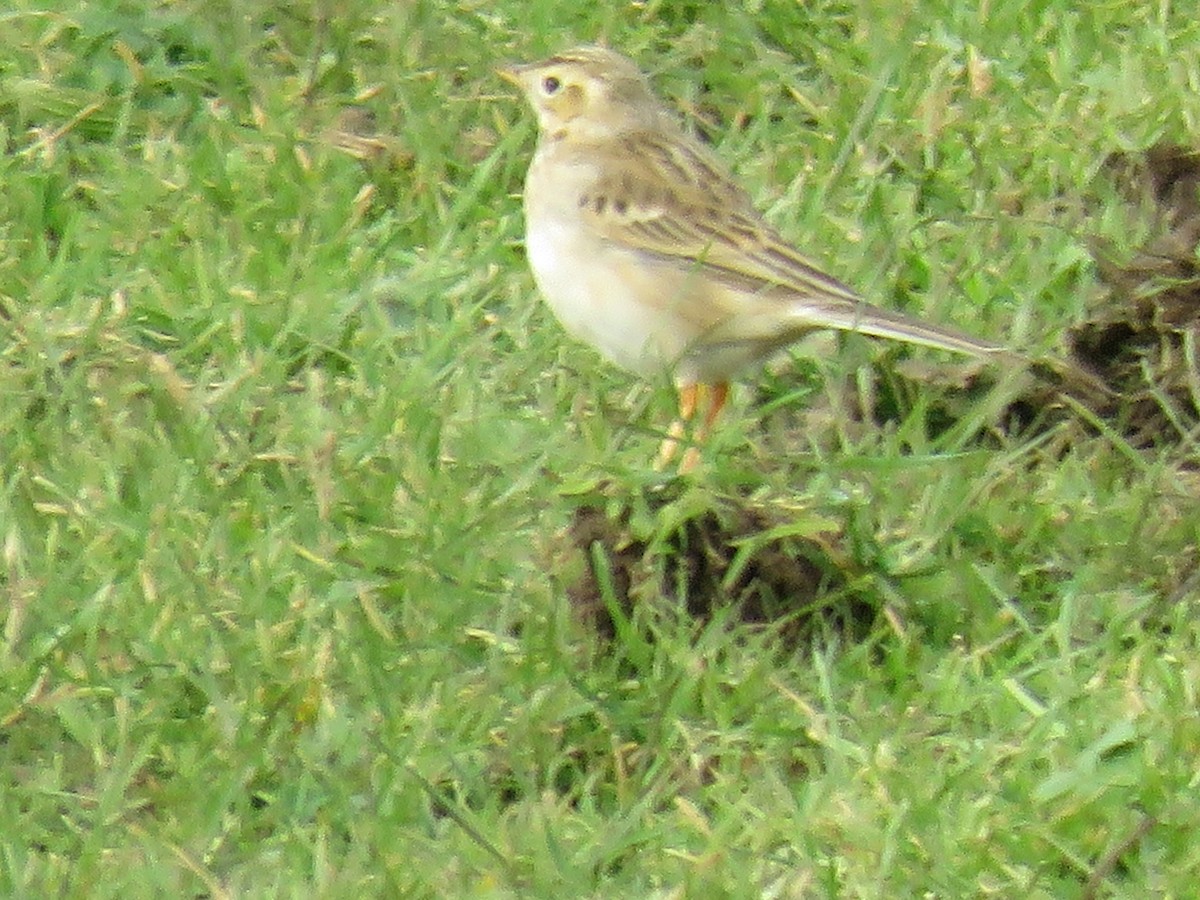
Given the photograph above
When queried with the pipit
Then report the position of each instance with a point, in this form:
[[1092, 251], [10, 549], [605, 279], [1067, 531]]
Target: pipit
[[646, 248]]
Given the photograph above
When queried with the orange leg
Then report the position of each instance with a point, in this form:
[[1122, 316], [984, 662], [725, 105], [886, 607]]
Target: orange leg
[[718, 394], [691, 396]]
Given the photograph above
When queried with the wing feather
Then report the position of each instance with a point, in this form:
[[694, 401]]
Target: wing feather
[[672, 199]]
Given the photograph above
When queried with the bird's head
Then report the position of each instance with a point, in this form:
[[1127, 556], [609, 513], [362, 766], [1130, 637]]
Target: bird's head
[[585, 89]]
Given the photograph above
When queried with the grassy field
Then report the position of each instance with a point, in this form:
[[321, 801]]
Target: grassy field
[[290, 454]]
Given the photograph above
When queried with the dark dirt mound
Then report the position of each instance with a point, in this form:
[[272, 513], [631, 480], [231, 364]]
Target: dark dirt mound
[[698, 554], [1141, 339]]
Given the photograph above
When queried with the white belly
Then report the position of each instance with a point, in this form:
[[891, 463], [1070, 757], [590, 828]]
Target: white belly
[[609, 298]]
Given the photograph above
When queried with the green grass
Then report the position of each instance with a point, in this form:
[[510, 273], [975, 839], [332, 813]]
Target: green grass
[[288, 445]]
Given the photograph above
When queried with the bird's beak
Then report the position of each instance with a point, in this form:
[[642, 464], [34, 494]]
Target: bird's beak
[[511, 74]]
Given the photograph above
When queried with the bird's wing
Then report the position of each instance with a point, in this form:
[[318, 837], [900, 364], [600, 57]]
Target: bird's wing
[[670, 198]]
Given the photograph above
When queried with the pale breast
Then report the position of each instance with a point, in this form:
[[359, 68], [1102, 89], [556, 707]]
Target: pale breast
[[625, 305]]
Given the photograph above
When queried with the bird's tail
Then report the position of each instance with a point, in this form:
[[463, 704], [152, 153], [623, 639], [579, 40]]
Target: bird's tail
[[864, 318]]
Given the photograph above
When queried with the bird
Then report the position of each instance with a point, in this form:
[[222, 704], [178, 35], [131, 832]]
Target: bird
[[645, 246]]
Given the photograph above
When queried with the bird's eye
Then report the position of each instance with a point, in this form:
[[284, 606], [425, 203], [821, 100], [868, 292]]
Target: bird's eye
[[550, 85]]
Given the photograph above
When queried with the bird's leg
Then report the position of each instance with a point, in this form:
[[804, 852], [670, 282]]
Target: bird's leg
[[717, 394], [689, 397]]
